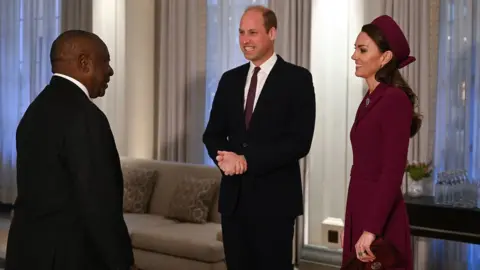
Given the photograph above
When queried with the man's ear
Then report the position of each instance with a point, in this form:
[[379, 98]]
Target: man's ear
[[272, 33], [84, 63]]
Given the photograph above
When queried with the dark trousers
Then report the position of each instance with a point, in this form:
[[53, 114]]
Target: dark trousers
[[256, 242]]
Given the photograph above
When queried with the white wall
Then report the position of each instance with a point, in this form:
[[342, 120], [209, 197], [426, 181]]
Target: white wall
[[335, 26], [127, 27]]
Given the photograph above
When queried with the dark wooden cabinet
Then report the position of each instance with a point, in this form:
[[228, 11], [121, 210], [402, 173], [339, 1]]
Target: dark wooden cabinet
[[428, 219]]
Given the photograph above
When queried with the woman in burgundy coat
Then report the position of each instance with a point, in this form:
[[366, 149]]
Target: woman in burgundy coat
[[380, 135]]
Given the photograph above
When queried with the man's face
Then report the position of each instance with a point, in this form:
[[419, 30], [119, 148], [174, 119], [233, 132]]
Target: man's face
[[102, 71], [255, 42], [99, 71]]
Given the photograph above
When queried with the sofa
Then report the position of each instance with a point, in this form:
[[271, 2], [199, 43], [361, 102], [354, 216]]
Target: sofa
[[171, 213]]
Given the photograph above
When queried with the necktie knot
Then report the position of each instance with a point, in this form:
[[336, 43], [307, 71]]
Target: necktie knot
[[256, 70]]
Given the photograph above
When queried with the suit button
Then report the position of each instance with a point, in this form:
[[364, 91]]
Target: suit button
[[244, 145]]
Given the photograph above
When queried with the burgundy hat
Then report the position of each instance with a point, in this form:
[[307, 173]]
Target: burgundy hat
[[395, 38]]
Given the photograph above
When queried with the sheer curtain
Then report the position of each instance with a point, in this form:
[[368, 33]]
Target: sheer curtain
[[456, 84], [223, 49], [27, 30], [474, 101], [457, 139]]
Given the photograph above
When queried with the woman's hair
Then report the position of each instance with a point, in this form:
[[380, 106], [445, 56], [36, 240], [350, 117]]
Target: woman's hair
[[389, 74]]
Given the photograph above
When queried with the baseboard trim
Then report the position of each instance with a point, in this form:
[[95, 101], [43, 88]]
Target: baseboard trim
[[321, 255]]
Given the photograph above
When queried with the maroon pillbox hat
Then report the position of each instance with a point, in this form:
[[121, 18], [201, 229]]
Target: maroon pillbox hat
[[396, 39]]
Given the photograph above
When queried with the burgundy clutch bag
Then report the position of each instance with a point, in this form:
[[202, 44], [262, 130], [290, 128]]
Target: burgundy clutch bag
[[386, 257]]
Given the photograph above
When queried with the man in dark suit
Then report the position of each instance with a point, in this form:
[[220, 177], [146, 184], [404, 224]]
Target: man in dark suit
[[261, 124], [68, 212]]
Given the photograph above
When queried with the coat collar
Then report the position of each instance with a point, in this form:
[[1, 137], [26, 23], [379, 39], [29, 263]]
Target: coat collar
[[369, 101]]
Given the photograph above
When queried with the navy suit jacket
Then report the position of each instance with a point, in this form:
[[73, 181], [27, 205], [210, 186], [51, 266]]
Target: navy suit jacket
[[280, 134]]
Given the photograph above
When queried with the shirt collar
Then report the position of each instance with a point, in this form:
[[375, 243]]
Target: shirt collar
[[76, 82], [267, 65]]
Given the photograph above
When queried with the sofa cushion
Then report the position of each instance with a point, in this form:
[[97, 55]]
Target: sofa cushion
[[141, 222], [185, 240], [137, 188], [192, 200]]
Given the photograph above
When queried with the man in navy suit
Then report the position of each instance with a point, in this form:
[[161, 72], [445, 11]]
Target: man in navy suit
[[261, 124]]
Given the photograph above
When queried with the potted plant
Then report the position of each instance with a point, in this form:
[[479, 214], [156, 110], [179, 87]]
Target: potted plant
[[417, 172]]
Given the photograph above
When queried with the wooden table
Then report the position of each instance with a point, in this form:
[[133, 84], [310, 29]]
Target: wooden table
[[428, 219]]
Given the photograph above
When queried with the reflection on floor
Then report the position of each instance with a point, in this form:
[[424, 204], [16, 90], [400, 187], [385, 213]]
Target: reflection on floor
[[4, 225], [430, 254], [313, 266], [433, 254]]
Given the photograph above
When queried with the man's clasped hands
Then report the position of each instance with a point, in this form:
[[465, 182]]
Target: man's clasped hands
[[231, 163]]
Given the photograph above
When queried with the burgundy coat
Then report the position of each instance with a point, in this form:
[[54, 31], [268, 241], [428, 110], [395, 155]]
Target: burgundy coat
[[380, 136]]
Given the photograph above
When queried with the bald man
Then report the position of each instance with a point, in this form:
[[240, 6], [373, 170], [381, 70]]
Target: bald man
[[68, 212]]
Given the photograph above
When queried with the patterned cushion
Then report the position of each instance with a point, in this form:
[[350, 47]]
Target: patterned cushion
[[192, 200], [138, 187]]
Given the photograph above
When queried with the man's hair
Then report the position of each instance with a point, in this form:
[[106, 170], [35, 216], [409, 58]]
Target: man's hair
[[69, 42], [269, 17]]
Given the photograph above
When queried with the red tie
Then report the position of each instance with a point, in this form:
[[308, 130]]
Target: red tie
[[251, 97]]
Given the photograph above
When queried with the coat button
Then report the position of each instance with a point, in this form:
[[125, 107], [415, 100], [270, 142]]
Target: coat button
[[244, 145]]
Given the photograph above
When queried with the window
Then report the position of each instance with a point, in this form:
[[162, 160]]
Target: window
[[223, 49], [457, 127], [27, 30], [457, 141]]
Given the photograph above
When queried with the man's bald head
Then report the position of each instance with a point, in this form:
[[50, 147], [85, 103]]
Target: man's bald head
[[70, 44], [83, 56]]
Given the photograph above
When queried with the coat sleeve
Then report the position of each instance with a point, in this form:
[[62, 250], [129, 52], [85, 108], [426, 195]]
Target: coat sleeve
[[94, 166], [216, 132], [395, 128], [297, 136]]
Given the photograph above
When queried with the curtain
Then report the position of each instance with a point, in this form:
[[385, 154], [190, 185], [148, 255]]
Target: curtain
[[457, 139], [419, 22], [76, 14], [180, 85], [293, 44], [223, 49], [27, 30], [457, 126]]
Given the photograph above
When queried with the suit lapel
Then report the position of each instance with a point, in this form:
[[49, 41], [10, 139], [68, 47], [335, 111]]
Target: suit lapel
[[369, 101], [240, 83]]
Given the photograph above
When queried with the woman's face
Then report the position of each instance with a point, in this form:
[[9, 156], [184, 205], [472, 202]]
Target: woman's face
[[367, 56]]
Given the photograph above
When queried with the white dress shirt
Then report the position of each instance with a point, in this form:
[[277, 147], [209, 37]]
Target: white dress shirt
[[262, 75], [79, 84]]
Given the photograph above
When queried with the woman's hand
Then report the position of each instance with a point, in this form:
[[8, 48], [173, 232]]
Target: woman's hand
[[362, 247]]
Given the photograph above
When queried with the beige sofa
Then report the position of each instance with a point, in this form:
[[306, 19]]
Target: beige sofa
[[164, 243]]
